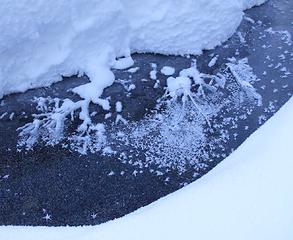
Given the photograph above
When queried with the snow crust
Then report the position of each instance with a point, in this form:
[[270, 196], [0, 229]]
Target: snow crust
[[247, 196], [40, 42]]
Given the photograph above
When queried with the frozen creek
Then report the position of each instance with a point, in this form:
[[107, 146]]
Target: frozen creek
[[55, 180]]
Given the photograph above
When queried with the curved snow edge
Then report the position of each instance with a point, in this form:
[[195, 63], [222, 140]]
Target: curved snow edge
[[247, 196]]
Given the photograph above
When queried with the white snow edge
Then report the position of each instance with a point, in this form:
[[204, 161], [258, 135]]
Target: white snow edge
[[247, 196]]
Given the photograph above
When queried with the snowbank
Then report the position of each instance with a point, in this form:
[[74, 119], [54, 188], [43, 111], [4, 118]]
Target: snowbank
[[173, 27], [40, 41], [247, 196]]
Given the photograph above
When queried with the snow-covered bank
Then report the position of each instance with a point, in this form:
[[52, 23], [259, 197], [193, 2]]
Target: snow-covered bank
[[247, 196], [39, 42]]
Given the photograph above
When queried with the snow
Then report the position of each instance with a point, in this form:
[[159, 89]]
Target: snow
[[133, 70], [170, 27], [168, 71], [40, 42], [118, 107], [247, 196], [178, 86], [153, 73], [213, 61]]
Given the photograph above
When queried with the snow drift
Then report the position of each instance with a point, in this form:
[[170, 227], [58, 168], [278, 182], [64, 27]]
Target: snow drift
[[41, 41]]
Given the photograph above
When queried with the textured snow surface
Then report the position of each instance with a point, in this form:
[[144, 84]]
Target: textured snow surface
[[40, 41], [247, 196]]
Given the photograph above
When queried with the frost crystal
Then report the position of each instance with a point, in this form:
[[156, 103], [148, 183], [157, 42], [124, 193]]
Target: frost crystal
[[49, 125]]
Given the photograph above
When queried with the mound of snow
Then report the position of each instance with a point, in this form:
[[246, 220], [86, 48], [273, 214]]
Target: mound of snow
[[43, 40]]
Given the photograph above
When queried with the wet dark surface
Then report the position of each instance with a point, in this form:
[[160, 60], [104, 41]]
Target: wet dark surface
[[53, 185]]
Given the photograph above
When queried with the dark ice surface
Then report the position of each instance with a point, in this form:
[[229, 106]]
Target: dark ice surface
[[53, 185]]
